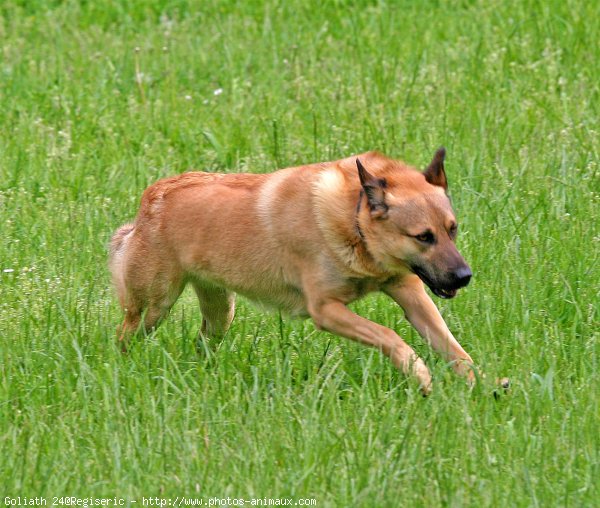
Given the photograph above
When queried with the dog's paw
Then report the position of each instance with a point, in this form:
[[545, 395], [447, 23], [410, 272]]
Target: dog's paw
[[503, 385], [426, 390]]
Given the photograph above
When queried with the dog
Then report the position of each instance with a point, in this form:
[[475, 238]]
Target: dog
[[307, 240]]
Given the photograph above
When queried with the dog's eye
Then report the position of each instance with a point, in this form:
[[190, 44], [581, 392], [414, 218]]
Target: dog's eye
[[453, 230], [426, 237]]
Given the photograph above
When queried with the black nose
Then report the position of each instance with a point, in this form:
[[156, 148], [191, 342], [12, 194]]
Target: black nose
[[462, 276]]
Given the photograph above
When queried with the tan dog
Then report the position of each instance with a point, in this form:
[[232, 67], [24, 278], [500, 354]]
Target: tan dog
[[307, 240]]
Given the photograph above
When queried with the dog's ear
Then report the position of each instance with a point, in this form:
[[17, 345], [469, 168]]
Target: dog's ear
[[435, 173], [374, 190]]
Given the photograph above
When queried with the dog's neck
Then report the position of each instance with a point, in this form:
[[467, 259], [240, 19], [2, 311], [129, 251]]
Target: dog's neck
[[337, 216], [356, 222], [359, 243]]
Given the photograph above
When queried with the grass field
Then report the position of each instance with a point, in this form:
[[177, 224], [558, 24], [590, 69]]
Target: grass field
[[99, 99]]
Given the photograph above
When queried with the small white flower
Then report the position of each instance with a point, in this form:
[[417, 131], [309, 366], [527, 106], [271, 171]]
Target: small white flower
[[8, 270], [188, 97], [218, 91]]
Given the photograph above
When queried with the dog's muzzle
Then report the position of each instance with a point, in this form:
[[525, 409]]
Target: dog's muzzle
[[448, 288]]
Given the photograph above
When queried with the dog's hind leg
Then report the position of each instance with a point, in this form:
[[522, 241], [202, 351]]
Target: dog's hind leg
[[144, 311], [148, 285], [165, 292], [131, 299], [129, 327], [217, 305]]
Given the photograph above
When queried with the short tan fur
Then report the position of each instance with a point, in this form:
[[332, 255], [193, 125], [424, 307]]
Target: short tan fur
[[307, 240]]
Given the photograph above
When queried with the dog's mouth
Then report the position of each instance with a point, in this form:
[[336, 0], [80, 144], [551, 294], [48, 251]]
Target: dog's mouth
[[444, 293]]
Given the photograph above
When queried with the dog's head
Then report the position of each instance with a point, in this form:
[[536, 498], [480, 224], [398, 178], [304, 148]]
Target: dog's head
[[408, 222]]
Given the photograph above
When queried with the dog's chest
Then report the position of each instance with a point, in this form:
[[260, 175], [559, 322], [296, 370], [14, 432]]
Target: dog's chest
[[356, 288]]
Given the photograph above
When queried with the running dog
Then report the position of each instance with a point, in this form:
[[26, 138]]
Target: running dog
[[308, 240]]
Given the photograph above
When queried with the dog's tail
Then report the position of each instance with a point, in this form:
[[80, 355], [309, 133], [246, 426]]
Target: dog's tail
[[117, 252]]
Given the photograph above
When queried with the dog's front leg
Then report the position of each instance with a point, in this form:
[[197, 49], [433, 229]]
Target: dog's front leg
[[335, 317], [422, 313]]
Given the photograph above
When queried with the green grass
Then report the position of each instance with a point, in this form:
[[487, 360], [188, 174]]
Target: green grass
[[510, 88]]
